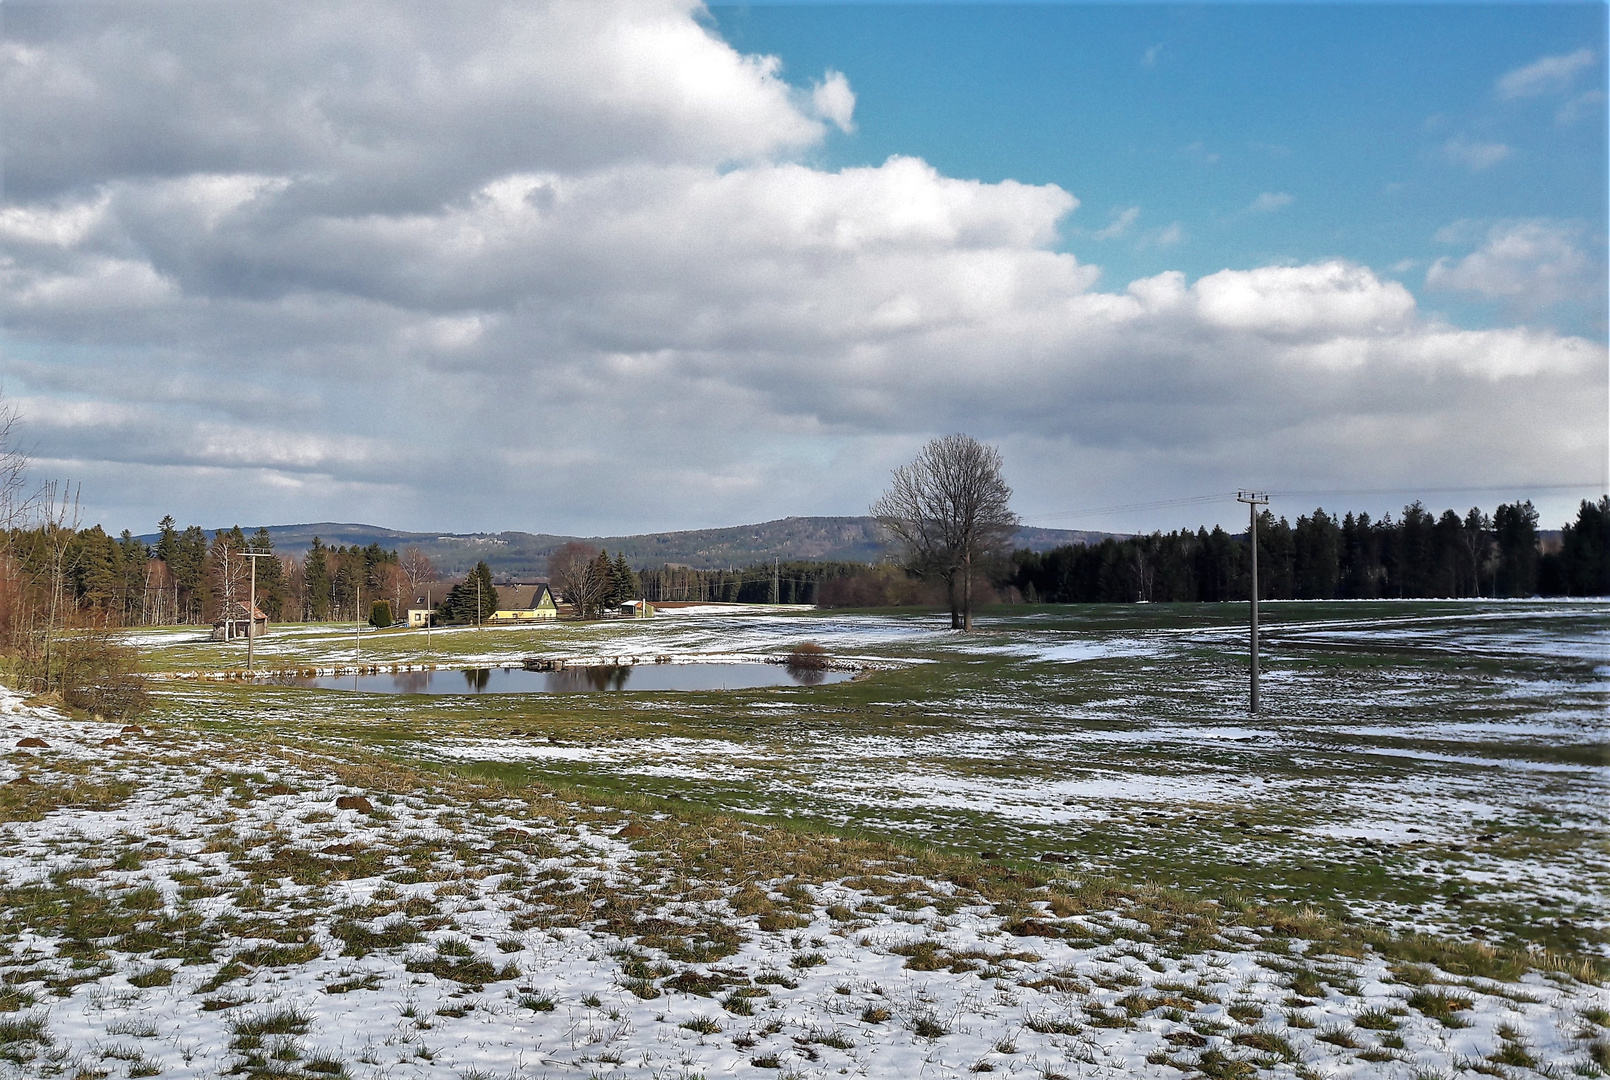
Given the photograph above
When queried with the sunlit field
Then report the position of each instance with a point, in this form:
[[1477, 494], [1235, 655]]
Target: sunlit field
[[1054, 847]]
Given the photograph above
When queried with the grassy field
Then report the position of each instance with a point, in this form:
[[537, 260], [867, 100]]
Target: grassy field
[[1054, 847]]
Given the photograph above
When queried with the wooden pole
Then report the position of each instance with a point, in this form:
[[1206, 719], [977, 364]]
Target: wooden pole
[[251, 611], [1254, 499]]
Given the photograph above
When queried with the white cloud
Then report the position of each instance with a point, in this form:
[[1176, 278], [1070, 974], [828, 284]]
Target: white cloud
[[1119, 225], [833, 100], [1304, 300], [1573, 109], [1475, 155], [1169, 235], [1270, 201], [1546, 75], [510, 258], [1528, 265]]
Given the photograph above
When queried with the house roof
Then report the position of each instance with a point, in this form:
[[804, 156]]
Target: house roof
[[520, 597], [236, 612]]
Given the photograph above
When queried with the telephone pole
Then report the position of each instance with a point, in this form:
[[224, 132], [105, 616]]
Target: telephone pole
[[251, 608], [1254, 499]]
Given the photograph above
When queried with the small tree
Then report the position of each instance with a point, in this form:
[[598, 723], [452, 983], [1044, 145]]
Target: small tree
[[574, 570], [460, 606], [417, 568], [624, 578], [380, 614], [948, 510]]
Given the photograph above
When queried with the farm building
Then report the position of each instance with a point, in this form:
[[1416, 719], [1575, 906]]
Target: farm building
[[233, 623], [524, 603]]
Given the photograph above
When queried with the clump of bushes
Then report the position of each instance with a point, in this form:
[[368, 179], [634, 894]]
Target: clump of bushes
[[101, 675], [807, 656]]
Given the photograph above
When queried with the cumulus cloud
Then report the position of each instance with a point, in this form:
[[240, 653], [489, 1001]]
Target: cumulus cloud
[[833, 100], [1270, 201], [1530, 266], [1545, 75], [562, 268]]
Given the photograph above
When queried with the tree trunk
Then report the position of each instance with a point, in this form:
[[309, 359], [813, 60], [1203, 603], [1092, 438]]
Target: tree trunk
[[967, 591]]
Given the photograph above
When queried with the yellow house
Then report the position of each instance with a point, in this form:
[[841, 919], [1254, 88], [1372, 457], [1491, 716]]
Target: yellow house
[[524, 603]]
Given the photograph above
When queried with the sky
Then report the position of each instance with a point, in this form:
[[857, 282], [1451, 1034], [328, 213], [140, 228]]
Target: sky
[[605, 268]]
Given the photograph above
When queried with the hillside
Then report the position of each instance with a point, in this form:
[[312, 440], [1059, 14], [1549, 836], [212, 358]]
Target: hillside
[[524, 554]]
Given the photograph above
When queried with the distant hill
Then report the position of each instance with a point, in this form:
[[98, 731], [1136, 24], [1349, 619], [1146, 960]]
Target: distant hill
[[523, 554]]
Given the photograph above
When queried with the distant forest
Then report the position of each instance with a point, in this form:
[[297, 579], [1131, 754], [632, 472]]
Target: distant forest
[[1419, 554], [188, 577]]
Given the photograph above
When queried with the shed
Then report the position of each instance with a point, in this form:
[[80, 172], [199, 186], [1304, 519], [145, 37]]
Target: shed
[[233, 622]]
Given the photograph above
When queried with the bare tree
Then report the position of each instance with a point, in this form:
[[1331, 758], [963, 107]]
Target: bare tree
[[416, 567], [948, 510], [573, 570]]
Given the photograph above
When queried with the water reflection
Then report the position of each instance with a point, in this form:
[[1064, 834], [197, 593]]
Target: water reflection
[[578, 680], [411, 682], [599, 677], [806, 674]]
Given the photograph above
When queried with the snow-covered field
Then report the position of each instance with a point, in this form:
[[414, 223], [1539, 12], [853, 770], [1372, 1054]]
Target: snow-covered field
[[181, 902]]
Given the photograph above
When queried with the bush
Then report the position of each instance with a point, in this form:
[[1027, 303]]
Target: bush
[[807, 656], [380, 614], [881, 586], [101, 675]]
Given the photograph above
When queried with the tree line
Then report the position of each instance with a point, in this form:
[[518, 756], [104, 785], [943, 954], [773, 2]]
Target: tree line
[[798, 581], [1321, 557], [189, 577]]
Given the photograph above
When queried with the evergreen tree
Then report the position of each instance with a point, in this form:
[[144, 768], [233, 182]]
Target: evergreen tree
[[316, 582], [1585, 551], [1478, 542], [189, 567], [460, 604], [1316, 550], [346, 581], [1515, 530], [135, 557], [627, 586], [168, 540], [273, 591]]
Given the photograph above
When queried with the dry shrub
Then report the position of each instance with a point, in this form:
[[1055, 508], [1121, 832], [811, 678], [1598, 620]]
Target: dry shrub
[[102, 675], [880, 586], [807, 656]]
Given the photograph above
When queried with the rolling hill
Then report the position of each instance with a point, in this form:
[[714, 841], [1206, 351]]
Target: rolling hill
[[523, 554]]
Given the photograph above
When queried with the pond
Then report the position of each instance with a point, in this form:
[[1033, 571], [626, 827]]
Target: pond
[[502, 680]]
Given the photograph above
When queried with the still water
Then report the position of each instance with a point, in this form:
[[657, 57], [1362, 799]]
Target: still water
[[577, 679]]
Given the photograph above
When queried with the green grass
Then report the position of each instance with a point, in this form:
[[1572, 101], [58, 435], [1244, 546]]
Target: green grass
[[1276, 843]]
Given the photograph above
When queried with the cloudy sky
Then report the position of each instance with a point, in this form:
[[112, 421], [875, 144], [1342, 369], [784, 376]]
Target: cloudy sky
[[594, 268]]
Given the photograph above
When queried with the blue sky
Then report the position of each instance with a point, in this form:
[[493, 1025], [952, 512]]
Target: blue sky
[[1362, 127]]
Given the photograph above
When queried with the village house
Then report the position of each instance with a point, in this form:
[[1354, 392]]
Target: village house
[[524, 603]]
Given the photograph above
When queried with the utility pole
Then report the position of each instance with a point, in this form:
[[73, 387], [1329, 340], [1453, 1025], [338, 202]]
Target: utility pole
[[428, 612], [1254, 499], [776, 585], [251, 610], [357, 627]]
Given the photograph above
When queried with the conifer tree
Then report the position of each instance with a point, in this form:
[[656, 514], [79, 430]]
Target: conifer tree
[[316, 582], [460, 604], [624, 580]]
